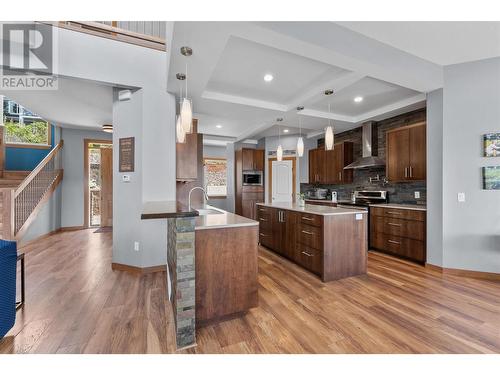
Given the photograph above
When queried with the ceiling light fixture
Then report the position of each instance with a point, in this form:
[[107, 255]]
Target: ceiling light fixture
[[329, 135], [108, 128], [358, 99], [268, 77], [218, 126], [300, 140], [279, 151], [186, 105], [285, 130]]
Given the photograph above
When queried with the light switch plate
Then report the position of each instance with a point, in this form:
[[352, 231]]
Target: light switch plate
[[126, 178], [461, 197], [136, 246], [359, 216], [417, 195]]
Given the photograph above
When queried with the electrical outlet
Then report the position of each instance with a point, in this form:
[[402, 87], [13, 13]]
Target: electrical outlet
[[136, 246], [461, 197], [417, 195]]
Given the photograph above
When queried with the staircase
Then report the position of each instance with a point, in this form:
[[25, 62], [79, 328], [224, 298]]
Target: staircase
[[22, 194]]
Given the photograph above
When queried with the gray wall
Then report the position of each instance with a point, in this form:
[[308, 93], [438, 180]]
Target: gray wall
[[435, 177], [72, 208], [471, 108]]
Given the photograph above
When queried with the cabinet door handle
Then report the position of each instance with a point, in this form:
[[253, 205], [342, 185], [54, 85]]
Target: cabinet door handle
[[411, 171], [307, 254], [394, 224], [406, 172], [395, 242], [262, 219], [340, 175], [393, 213], [262, 235], [307, 232], [307, 218]]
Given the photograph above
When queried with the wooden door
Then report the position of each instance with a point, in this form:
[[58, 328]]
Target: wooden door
[[313, 163], [258, 160], [331, 166], [247, 155], [417, 153], [290, 234], [398, 155], [279, 232], [248, 208], [106, 187], [321, 167]]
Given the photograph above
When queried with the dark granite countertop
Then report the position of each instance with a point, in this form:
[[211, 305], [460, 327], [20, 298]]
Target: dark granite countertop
[[165, 210]]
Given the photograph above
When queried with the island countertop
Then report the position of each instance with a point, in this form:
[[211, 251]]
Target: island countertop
[[315, 209], [165, 210], [221, 219]]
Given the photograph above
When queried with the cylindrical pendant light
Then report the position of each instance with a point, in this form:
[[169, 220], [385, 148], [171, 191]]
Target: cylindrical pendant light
[[329, 137], [300, 140], [186, 105], [181, 135], [279, 151]]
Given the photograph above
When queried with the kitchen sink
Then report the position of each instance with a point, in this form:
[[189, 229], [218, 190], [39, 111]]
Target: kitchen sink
[[208, 211]]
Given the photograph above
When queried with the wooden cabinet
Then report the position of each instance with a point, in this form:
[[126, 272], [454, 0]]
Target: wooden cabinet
[[187, 159], [327, 167], [400, 232], [406, 153], [332, 247], [252, 160], [249, 202]]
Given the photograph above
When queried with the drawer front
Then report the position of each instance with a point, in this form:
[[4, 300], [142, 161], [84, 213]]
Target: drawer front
[[308, 219], [265, 220], [398, 227], [264, 210], [310, 236], [405, 247], [398, 213], [266, 239], [309, 258]]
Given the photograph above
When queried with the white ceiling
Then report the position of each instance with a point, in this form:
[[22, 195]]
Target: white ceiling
[[442, 43], [230, 59]]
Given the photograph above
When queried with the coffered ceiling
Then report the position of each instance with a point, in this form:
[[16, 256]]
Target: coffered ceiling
[[230, 59]]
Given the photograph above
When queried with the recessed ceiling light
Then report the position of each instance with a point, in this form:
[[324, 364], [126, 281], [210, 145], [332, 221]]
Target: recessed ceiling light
[[268, 77], [285, 131], [218, 126], [358, 99]]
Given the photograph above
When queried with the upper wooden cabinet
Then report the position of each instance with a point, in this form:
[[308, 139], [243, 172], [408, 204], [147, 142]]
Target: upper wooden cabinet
[[253, 160], [187, 155], [406, 153], [327, 167]]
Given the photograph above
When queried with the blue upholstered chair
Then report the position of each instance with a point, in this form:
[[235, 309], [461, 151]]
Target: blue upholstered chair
[[8, 261]]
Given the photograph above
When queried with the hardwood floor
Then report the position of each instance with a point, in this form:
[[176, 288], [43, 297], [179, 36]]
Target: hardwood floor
[[77, 304]]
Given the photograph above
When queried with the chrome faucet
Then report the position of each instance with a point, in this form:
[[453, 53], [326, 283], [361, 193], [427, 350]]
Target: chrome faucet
[[193, 189]]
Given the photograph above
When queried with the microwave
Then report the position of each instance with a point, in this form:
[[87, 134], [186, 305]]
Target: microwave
[[252, 178]]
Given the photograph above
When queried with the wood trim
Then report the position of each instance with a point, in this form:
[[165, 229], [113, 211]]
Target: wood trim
[[464, 273], [294, 176], [86, 207], [38, 168], [44, 199], [404, 127], [71, 229], [7, 196], [138, 270], [114, 33], [39, 238]]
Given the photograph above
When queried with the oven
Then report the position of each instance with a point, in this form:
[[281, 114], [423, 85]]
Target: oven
[[252, 178]]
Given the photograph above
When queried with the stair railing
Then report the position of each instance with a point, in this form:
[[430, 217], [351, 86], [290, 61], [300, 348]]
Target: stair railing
[[35, 187]]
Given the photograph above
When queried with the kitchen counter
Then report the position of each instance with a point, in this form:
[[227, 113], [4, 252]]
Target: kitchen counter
[[401, 206], [221, 219], [165, 210], [314, 209]]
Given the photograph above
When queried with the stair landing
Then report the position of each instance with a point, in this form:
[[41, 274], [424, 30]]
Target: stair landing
[[12, 179]]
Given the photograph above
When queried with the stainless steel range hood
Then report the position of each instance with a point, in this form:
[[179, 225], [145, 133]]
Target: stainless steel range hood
[[370, 149]]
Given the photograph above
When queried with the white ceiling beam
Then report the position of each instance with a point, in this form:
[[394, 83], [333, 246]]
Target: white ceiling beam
[[213, 95], [389, 108], [327, 115], [337, 84]]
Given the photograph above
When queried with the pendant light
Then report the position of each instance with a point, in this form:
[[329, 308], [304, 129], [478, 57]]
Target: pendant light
[[107, 128], [279, 151], [300, 140], [179, 130], [329, 136], [186, 105]]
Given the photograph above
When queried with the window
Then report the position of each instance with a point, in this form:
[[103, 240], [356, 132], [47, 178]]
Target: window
[[216, 177], [24, 128]]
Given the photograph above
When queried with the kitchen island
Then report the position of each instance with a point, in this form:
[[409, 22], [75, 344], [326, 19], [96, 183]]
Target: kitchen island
[[328, 241], [226, 265]]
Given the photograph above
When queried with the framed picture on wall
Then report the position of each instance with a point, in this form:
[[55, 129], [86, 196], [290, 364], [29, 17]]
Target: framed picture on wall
[[491, 178], [491, 144]]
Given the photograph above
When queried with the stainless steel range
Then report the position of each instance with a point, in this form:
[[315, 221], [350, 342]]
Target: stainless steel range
[[363, 199]]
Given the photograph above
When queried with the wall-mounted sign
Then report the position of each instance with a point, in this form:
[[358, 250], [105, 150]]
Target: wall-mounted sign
[[127, 154]]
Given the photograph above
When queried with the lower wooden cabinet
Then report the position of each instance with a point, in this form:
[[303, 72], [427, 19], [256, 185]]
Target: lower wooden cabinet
[[249, 204], [309, 239], [399, 232]]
